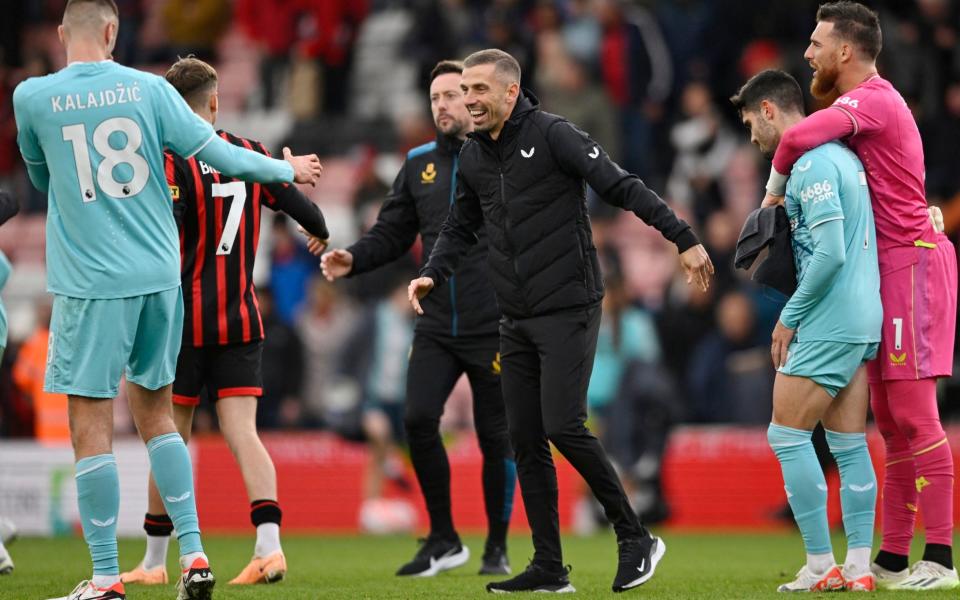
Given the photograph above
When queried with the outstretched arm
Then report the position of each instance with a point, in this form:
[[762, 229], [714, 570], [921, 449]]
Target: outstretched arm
[[579, 154], [824, 215], [244, 164], [187, 134], [823, 126], [394, 232], [821, 271], [289, 199], [457, 236]]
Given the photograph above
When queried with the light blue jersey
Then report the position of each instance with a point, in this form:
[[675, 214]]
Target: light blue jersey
[[93, 136], [828, 184], [4, 275]]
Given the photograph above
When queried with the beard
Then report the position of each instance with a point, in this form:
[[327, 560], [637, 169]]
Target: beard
[[768, 139], [452, 128], [824, 82]]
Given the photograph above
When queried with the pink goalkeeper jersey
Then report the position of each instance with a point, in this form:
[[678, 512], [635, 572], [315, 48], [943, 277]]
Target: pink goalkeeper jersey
[[874, 121]]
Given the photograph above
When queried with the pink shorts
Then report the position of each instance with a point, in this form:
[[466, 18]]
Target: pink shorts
[[918, 290]]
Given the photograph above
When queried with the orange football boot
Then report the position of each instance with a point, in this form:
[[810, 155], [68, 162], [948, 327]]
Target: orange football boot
[[269, 569], [154, 576]]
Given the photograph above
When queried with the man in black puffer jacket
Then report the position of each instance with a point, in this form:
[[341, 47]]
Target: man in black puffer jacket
[[457, 334], [522, 179]]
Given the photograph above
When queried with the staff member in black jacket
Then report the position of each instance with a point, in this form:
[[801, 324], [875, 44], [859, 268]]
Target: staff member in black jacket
[[522, 175], [457, 335]]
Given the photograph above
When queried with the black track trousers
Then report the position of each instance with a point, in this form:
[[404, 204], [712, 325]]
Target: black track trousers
[[546, 364], [436, 363]]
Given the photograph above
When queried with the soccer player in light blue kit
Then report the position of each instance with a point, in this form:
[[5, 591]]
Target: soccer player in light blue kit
[[827, 330], [93, 136]]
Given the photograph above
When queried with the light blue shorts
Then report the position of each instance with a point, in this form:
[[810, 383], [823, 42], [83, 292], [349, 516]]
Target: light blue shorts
[[830, 364], [94, 342]]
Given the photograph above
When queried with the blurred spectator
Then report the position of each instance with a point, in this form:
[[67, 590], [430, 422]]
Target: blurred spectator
[[132, 14], [195, 26], [627, 334], [720, 233], [940, 137], [375, 355], [582, 34], [291, 268], [324, 325], [272, 25], [567, 90], [704, 145], [685, 318], [328, 31], [49, 410], [730, 376], [283, 369], [638, 74], [631, 399]]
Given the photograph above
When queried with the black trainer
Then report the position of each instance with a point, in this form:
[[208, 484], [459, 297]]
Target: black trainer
[[638, 560], [434, 556], [495, 561], [535, 579]]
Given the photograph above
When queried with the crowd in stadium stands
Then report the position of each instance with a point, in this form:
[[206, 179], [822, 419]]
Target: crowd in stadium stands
[[347, 79]]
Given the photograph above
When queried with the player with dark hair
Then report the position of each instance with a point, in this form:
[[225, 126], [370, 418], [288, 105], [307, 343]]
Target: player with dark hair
[[457, 335], [219, 222], [92, 136], [829, 327], [522, 180], [918, 286]]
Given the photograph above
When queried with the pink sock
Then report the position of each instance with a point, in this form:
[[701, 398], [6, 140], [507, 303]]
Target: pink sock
[[913, 405], [899, 498]]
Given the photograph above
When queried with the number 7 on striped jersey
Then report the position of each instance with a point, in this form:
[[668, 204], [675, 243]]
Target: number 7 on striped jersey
[[238, 190]]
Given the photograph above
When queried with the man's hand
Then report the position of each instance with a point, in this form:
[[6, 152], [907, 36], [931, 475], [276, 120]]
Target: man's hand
[[336, 264], [306, 169], [781, 338], [770, 200], [696, 264], [936, 218], [419, 288], [315, 245]]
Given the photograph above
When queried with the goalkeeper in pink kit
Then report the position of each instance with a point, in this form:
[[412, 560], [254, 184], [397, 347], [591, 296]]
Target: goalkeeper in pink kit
[[918, 286]]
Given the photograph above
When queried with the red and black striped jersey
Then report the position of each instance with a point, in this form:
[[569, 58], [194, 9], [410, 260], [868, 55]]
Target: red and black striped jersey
[[219, 221]]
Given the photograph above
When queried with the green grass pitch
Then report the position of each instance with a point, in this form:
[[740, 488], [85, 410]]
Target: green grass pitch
[[705, 566]]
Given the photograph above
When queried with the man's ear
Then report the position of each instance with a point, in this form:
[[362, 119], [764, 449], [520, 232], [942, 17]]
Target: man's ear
[[513, 92], [111, 31], [768, 110], [62, 34], [846, 53]]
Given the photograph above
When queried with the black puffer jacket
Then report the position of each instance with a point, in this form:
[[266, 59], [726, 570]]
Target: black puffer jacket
[[418, 203], [528, 188]]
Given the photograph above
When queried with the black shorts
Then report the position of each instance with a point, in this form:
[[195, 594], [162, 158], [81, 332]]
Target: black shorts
[[233, 370]]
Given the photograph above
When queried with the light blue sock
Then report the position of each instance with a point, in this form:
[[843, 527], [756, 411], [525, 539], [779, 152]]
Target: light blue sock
[[170, 462], [858, 486], [806, 488], [98, 494]]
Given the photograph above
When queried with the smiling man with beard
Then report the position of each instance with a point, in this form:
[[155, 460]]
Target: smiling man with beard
[[523, 177], [918, 286]]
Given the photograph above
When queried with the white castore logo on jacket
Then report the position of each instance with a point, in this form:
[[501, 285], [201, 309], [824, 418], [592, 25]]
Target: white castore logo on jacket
[[527, 153]]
